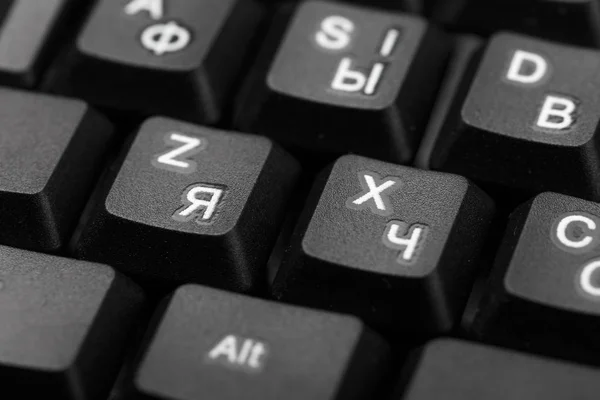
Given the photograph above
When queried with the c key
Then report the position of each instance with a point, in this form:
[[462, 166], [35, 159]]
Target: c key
[[544, 292], [394, 245], [190, 204], [345, 79]]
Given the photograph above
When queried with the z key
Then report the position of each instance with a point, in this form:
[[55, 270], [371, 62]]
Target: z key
[[190, 204], [345, 79], [170, 57]]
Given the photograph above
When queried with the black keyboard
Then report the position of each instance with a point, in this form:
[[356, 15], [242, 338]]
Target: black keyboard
[[300, 200]]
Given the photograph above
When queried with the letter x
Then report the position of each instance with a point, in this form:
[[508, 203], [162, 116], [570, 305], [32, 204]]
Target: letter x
[[375, 193]]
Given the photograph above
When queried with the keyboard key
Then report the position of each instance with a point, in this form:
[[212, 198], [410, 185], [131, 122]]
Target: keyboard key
[[191, 204], [29, 30], [63, 325], [219, 345], [531, 106], [51, 149], [546, 300], [404, 5], [456, 370], [394, 245], [345, 79], [178, 57], [570, 21]]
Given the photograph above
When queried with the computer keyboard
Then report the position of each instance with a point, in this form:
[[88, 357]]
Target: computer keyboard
[[320, 200]]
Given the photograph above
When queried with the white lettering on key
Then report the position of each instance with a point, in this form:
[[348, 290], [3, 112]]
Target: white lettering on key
[[165, 38], [389, 42], [154, 7], [177, 160], [527, 68], [351, 80], [557, 113], [375, 193], [200, 202], [575, 232], [408, 240], [336, 33], [586, 281], [239, 352]]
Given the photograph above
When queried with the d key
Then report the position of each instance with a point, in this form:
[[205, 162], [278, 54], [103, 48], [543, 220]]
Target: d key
[[345, 79], [190, 204], [526, 121]]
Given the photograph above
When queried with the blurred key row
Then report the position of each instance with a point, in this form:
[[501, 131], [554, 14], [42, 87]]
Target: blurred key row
[[64, 326]]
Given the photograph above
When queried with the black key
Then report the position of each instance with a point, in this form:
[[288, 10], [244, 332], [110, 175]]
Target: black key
[[345, 79], [29, 31], [570, 21], [403, 5], [456, 370], [544, 291], [394, 245], [191, 204], [178, 57], [63, 325], [525, 121], [219, 345], [51, 149]]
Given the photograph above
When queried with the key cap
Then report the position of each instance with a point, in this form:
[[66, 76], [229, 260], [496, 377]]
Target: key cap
[[576, 22], [404, 5], [177, 57], [394, 245], [525, 121], [190, 204], [29, 31], [63, 325], [546, 300], [458, 370], [219, 345], [345, 79], [51, 149]]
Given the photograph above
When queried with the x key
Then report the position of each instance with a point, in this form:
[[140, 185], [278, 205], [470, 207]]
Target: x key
[[373, 239], [375, 195]]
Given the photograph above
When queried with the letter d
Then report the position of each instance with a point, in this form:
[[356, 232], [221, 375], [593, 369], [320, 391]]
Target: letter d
[[527, 68]]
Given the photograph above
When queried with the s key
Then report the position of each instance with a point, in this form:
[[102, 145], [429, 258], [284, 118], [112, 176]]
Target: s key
[[169, 57], [525, 119], [544, 291], [345, 79], [210, 344], [394, 245], [190, 204]]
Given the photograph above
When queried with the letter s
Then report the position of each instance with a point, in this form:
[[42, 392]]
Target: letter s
[[335, 33]]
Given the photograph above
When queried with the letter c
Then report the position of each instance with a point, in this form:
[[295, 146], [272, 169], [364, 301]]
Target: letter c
[[585, 278], [563, 225]]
